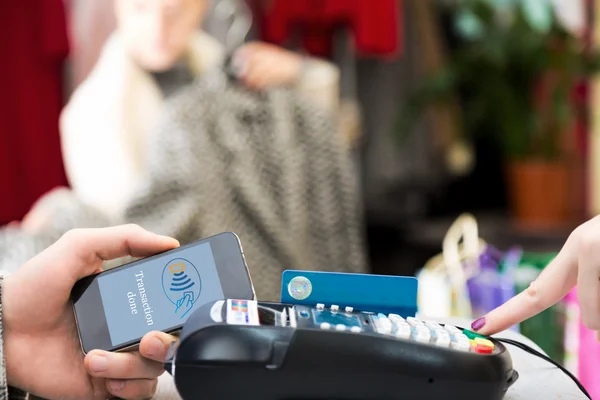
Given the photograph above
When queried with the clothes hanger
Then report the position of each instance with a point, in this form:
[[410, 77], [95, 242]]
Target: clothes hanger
[[239, 16]]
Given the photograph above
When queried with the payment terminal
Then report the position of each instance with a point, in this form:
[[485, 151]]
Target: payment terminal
[[242, 349]]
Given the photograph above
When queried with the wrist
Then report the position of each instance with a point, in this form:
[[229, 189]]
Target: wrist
[[8, 347], [4, 335]]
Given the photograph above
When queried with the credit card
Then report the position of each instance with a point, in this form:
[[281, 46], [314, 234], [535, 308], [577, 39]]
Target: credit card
[[362, 292]]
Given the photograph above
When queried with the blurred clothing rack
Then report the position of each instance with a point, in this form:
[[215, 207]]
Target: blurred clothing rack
[[32, 97]]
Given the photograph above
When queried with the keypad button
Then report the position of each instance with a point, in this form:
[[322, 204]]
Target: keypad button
[[396, 318], [340, 327], [423, 337], [442, 332], [482, 349], [404, 332], [452, 329], [460, 337], [432, 325], [472, 335], [462, 345], [402, 324], [383, 324], [433, 333], [484, 342], [325, 325], [320, 306], [414, 322], [404, 327], [355, 329], [335, 307], [349, 309]]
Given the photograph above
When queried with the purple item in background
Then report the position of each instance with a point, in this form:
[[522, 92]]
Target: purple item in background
[[490, 287]]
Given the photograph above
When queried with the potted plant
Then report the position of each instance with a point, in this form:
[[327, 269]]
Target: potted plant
[[515, 73]]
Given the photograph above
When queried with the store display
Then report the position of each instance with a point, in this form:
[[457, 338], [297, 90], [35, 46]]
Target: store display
[[375, 26]]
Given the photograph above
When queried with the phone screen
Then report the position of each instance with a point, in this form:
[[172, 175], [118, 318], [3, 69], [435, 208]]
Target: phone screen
[[158, 294]]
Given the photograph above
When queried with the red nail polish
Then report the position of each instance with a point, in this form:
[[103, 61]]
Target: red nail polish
[[478, 324]]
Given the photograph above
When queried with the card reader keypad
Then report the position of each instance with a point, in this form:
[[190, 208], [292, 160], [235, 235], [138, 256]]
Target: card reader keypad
[[429, 332], [413, 329]]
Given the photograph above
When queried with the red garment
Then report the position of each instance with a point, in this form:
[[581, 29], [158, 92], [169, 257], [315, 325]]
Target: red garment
[[374, 23], [33, 47]]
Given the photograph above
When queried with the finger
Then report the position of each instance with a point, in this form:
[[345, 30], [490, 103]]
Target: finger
[[243, 57], [260, 74], [250, 48], [132, 389], [555, 281], [588, 282], [155, 345], [126, 365], [91, 247]]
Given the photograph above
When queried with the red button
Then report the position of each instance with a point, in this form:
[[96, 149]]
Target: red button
[[482, 349]]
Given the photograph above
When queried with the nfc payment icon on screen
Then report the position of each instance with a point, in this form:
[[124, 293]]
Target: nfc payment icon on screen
[[182, 285]]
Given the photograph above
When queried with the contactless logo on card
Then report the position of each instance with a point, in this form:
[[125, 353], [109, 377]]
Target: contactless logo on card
[[242, 312], [182, 285]]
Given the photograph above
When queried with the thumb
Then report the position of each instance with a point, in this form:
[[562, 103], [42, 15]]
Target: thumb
[[81, 252]]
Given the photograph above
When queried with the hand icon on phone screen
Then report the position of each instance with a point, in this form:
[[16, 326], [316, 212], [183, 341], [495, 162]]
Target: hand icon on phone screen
[[184, 304]]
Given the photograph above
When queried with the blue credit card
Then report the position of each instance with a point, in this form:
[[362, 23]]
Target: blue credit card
[[363, 292]]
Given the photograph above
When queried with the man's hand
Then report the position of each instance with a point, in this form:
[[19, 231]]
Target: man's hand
[[577, 263], [42, 349]]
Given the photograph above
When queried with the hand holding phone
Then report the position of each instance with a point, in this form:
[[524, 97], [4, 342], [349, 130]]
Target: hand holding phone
[[116, 308], [41, 348]]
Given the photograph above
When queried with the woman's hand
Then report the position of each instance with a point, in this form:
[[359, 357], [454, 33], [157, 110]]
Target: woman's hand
[[41, 345], [578, 263], [262, 65]]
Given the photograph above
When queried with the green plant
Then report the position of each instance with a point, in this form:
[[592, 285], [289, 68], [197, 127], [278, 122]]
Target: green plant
[[515, 69]]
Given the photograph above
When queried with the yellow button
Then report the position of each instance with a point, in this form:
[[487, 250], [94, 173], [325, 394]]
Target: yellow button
[[484, 342], [473, 343]]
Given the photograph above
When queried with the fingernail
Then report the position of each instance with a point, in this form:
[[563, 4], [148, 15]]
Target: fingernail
[[116, 385], [156, 348], [98, 364], [478, 324]]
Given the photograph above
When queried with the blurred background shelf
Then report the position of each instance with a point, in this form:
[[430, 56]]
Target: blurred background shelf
[[404, 250]]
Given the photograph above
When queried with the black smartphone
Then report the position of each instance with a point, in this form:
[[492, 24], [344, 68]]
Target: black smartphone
[[116, 308]]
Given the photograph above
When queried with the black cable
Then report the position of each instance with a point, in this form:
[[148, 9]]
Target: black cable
[[530, 350]]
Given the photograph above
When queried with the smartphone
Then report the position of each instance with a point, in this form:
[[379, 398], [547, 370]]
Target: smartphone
[[116, 308]]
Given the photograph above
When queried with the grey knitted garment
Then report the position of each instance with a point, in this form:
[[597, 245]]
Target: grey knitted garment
[[268, 166]]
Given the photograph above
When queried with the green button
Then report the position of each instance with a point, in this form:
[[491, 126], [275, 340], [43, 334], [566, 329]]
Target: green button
[[472, 335]]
